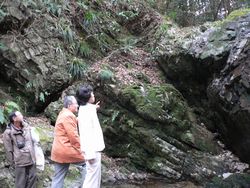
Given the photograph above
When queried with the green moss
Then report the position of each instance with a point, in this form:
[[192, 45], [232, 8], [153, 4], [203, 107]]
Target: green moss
[[232, 16], [45, 176], [158, 103], [238, 13], [188, 137], [43, 134], [72, 176]]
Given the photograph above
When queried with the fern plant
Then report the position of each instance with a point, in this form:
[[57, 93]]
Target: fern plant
[[68, 34], [2, 46], [77, 68], [29, 3], [53, 8], [84, 49], [2, 14], [90, 17], [82, 5], [42, 96], [6, 109], [106, 76], [128, 14]]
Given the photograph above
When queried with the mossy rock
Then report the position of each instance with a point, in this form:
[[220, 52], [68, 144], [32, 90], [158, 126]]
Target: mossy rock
[[53, 110], [232, 16], [161, 103], [238, 13]]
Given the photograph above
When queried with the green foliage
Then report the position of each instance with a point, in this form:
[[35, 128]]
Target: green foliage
[[172, 14], [238, 13], [2, 14], [114, 115], [2, 118], [77, 68], [131, 123], [2, 47], [116, 2], [34, 83], [102, 41], [128, 45], [90, 17], [163, 28], [52, 7], [29, 3], [42, 96], [68, 34], [82, 5], [114, 26], [6, 109], [64, 28], [142, 77], [34, 86], [161, 32], [106, 75], [84, 49], [127, 15], [10, 106], [152, 3], [162, 103]]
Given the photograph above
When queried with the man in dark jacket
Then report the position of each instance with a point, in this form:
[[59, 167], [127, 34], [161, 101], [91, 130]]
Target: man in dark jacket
[[20, 151]]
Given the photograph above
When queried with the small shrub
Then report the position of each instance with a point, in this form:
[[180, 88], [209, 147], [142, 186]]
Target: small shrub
[[90, 17], [84, 49], [82, 5], [238, 13], [2, 118], [115, 115], [2, 14], [42, 96], [68, 34], [106, 75], [29, 3], [128, 14], [64, 28], [172, 14], [53, 8], [6, 109], [77, 68], [2, 45]]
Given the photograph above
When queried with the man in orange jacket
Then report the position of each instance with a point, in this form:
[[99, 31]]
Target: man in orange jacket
[[66, 145]]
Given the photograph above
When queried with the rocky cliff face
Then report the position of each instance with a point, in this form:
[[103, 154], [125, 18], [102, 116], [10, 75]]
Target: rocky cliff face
[[229, 92], [217, 61], [30, 57], [154, 124]]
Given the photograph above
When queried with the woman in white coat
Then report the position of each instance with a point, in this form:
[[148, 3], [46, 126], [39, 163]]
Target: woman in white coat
[[91, 136]]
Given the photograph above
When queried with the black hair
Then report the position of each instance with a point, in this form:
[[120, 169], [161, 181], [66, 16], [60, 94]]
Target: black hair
[[83, 94], [11, 116]]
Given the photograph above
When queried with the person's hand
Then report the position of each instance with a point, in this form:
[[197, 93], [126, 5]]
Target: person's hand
[[97, 105], [91, 161]]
